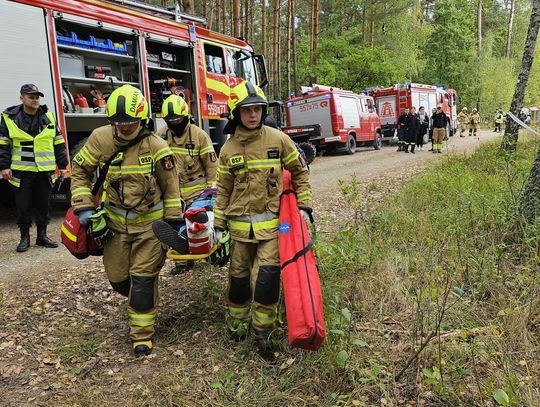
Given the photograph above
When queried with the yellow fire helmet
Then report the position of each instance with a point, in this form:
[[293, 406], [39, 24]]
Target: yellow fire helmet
[[464, 109], [126, 105], [474, 110], [174, 108], [246, 94]]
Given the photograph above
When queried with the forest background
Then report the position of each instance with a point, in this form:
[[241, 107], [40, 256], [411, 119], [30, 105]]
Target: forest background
[[473, 46]]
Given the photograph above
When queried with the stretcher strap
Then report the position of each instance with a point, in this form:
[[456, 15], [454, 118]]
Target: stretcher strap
[[299, 254]]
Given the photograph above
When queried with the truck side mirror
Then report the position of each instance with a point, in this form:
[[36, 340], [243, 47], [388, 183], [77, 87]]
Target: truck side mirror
[[263, 73]]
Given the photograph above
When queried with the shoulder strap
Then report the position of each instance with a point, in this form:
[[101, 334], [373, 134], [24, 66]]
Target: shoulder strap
[[103, 172]]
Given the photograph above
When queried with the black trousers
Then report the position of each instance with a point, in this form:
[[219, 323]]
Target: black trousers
[[34, 191]]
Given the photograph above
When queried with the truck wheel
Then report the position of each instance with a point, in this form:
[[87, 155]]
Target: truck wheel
[[377, 143], [351, 145], [310, 152]]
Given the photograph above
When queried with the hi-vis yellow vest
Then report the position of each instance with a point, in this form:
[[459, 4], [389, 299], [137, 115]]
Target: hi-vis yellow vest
[[35, 154]]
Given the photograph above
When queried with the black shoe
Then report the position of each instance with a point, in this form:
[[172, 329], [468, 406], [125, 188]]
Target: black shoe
[[24, 244], [167, 235], [45, 241], [142, 348], [412, 152]]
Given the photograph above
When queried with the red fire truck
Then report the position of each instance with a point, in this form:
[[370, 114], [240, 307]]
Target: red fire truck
[[78, 51], [333, 119], [391, 101]]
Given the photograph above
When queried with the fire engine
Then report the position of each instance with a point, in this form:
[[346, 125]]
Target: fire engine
[[391, 101], [78, 51], [333, 119]]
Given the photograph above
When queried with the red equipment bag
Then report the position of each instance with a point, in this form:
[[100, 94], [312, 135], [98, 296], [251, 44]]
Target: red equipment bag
[[301, 284], [75, 238]]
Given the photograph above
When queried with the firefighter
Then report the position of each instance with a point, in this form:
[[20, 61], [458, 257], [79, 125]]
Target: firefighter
[[249, 187], [440, 120], [402, 129], [499, 119], [31, 147], [463, 118], [194, 153], [474, 122], [141, 186]]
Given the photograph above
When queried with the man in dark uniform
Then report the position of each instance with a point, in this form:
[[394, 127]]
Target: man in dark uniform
[[31, 147], [402, 129]]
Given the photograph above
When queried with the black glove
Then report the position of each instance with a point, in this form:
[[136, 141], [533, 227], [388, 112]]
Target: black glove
[[307, 213]]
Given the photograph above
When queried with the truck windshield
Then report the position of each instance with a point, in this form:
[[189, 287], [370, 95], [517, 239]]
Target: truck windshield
[[245, 66]]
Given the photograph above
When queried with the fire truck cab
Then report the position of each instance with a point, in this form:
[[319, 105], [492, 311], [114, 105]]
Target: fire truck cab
[[78, 51], [337, 119], [391, 101]]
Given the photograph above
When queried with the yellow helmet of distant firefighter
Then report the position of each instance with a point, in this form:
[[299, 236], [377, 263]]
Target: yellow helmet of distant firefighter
[[174, 108]]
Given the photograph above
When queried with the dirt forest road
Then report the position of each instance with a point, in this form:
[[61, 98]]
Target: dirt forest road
[[381, 168]]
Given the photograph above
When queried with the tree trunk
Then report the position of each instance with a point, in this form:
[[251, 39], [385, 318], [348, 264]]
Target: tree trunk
[[364, 5], [372, 24], [479, 26], [187, 6], [511, 130], [293, 46], [314, 31], [235, 18], [275, 50], [217, 10], [289, 44], [530, 206], [224, 16], [509, 32], [264, 28]]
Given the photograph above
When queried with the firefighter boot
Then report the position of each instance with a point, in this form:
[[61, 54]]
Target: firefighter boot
[[42, 238], [142, 348], [266, 343], [24, 244], [237, 321]]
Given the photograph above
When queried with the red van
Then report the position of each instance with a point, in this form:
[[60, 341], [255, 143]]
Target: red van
[[337, 119]]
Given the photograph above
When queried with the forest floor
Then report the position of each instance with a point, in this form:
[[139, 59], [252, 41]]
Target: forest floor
[[64, 334]]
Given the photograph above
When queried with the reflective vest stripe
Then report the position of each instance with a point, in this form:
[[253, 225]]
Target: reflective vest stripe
[[291, 157], [258, 226], [130, 217], [184, 151], [206, 150], [173, 203], [131, 169], [238, 312], [142, 319], [16, 182], [84, 153], [81, 191], [304, 196], [219, 214], [161, 153]]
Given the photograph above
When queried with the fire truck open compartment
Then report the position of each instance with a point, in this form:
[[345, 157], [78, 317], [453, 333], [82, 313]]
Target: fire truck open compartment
[[97, 60], [170, 65]]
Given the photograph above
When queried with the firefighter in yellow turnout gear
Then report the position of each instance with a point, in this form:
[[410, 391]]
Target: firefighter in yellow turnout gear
[[463, 118], [141, 186], [249, 188], [194, 153], [474, 122]]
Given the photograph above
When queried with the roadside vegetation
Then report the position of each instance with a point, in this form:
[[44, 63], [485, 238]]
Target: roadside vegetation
[[431, 298]]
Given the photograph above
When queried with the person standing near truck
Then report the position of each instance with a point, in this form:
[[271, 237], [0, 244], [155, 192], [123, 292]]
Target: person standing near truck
[[402, 129], [463, 118], [413, 123], [249, 184], [31, 147], [440, 120]]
